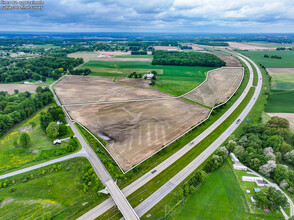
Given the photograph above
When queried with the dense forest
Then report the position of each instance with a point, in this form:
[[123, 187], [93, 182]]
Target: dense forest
[[17, 107], [268, 149], [186, 59]]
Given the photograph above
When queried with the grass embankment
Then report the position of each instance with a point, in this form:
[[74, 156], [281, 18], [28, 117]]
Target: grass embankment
[[175, 80], [172, 170], [56, 190], [41, 148]]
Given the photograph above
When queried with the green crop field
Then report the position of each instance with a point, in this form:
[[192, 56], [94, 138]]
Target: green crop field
[[12, 156], [285, 62], [282, 81], [175, 80], [219, 196], [56, 190], [281, 101]]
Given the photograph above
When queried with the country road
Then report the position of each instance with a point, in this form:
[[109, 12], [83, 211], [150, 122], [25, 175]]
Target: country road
[[104, 206]]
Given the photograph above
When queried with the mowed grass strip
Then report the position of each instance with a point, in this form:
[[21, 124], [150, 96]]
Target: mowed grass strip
[[175, 80], [285, 62]]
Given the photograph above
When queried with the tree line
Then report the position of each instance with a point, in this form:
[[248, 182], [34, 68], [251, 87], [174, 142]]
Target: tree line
[[267, 149], [17, 107], [178, 58]]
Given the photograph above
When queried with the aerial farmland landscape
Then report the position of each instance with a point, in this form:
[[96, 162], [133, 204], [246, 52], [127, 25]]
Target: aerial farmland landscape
[[147, 110]]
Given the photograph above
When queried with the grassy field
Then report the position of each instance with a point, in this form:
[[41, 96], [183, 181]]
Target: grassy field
[[175, 80], [285, 62], [282, 81], [214, 198], [31, 196], [281, 101], [13, 157]]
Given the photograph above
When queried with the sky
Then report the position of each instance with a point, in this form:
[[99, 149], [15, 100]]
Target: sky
[[198, 16]]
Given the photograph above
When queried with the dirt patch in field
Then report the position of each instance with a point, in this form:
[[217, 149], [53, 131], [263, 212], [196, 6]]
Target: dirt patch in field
[[166, 48], [280, 70], [231, 61], [245, 46], [135, 82], [20, 87], [288, 116], [125, 59], [219, 86], [94, 89], [26, 129], [138, 129]]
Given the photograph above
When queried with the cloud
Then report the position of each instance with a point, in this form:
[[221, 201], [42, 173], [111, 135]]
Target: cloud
[[154, 15]]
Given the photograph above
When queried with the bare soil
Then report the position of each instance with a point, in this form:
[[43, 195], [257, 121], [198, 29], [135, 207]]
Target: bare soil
[[288, 116], [219, 86], [230, 60], [245, 46], [20, 87], [135, 82], [280, 70], [138, 129], [94, 89], [165, 48], [125, 59]]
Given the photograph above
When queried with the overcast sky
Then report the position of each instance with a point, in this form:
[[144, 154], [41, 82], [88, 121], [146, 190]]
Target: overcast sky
[[215, 16]]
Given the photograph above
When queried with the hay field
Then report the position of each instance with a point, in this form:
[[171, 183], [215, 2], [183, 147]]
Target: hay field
[[280, 70], [282, 81], [20, 87], [219, 86], [245, 46], [231, 61], [138, 129], [93, 89]]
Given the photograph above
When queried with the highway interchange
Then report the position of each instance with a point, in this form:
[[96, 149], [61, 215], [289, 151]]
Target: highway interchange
[[118, 197]]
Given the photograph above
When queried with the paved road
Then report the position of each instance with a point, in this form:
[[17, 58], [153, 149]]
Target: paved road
[[118, 197], [81, 153], [157, 196], [104, 206]]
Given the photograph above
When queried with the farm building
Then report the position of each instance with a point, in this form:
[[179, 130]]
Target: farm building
[[256, 189], [253, 200], [239, 167], [248, 191], [57, 141], [149, 75], [251, 178]]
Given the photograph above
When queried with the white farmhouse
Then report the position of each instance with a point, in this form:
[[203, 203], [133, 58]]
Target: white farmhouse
[[149, 75]]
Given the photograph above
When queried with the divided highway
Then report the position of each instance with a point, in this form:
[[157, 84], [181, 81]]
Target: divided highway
[[104, 206]]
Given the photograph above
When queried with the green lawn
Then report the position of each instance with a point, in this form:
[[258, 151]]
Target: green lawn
[[285, 62], [175, 80], [12, 156], [281, 101], [33, 196], [282, 81]]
